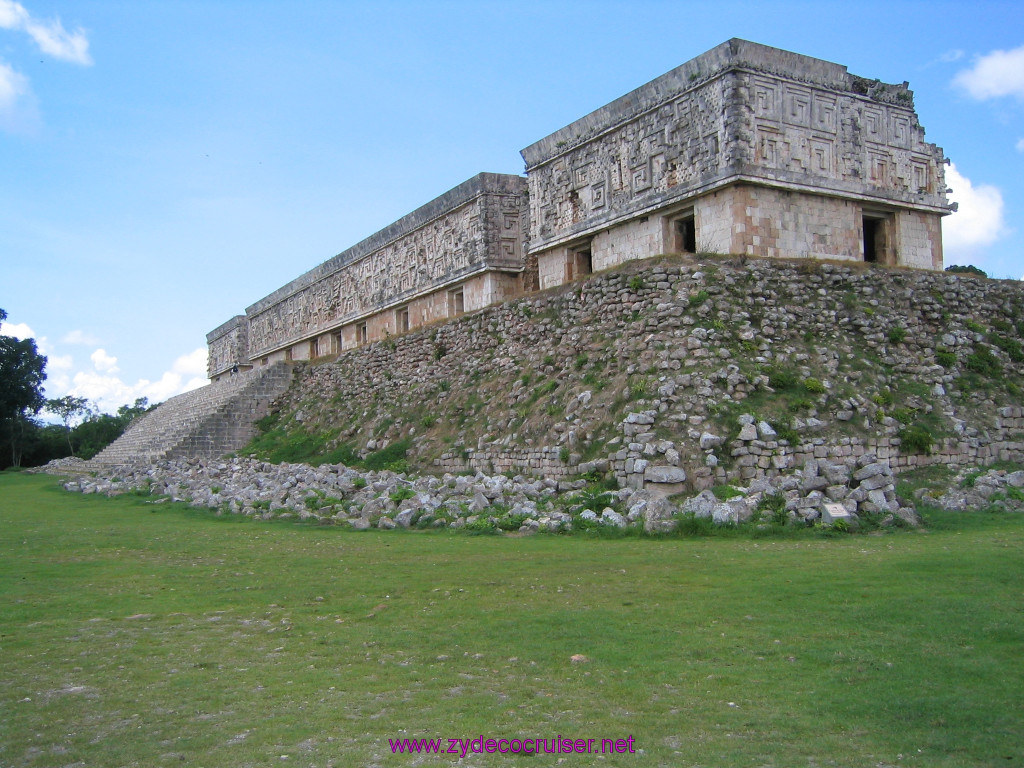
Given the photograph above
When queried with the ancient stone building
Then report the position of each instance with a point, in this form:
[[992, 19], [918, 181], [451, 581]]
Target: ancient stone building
[[460, 252], [745, 149]]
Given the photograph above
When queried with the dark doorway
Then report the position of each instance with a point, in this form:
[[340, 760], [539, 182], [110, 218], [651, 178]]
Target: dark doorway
[[872, 231], [686, 234], [456, 302], [584, 263], [879, 238], [581, 262]]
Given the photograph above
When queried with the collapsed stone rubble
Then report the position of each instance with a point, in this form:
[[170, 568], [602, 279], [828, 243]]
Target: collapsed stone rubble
[[976, 490], [822, 490], [337, 494]]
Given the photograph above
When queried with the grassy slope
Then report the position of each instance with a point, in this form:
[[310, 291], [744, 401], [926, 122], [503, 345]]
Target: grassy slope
[[133, 634]]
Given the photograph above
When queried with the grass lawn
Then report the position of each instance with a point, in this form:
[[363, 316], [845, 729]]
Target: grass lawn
[[134, 634]]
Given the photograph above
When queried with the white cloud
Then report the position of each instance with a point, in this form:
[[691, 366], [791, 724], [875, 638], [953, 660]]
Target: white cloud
[[59, 363], [12, 86], [109, 392], [977, 223], [15, 99], [49, 36], [999, 73], [18, 111], [80, 337], [103, 362], [53, 39], [950, 56], [1020, 145], [17, 330], [192, 364], [101, 384], [12, 15]]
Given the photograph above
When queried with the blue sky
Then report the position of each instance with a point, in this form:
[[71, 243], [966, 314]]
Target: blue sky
[[165, 164]]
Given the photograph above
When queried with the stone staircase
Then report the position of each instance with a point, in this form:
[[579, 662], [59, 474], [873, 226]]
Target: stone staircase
[[206, 422]]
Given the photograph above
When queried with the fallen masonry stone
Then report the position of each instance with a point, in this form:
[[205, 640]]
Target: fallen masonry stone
[[733, 511], [871, 470], [866, 458], [345, 496], [611, 517], [708, 440], [701, 505], [876, 481], [748, 432], [663, 474], [879, 498], [837, 474]]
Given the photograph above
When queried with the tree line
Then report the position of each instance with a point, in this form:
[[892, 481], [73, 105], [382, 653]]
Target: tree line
[[27, 440]]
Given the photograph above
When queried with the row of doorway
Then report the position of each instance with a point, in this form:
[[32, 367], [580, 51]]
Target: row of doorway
[[876, 243]]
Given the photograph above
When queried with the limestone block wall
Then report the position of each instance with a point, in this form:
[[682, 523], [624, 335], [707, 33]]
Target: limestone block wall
[[552, 267], [713, 220], [494, 458], [777, 223], [920, 240], [637, 239]]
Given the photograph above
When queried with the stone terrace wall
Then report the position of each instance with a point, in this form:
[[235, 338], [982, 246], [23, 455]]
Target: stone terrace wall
[[662, 373]]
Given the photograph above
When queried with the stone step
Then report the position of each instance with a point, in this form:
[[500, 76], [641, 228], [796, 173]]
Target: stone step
[[206, 422]]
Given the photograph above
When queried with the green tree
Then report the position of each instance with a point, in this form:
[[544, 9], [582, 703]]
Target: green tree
[[22, 372], [68, 408], [966, 269]]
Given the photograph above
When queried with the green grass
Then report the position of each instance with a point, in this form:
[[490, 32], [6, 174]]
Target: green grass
[[277, 445], [155, 635]]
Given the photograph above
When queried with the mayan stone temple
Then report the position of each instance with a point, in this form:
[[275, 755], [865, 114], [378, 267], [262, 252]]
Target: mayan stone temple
[[746, 150]]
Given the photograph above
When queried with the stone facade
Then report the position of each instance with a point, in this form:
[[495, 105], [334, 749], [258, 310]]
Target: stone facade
[[745, 150], [229, 347]]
